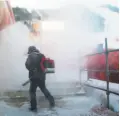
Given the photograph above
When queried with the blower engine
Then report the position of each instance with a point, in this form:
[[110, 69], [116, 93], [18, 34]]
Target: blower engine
[[47, 65]]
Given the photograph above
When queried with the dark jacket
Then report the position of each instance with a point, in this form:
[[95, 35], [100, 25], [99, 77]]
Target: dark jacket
[[33, 63]]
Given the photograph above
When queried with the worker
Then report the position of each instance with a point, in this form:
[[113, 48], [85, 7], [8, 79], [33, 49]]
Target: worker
[[37, 77]]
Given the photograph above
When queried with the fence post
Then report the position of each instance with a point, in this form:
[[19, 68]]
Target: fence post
[[107, 71], [80, 77]]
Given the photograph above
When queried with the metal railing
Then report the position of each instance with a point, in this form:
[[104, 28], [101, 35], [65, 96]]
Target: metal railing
[[107, 71]]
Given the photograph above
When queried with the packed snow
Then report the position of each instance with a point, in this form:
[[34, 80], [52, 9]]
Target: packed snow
[[72, 106]]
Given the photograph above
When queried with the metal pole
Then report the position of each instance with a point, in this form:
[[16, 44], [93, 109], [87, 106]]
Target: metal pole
[[107, 71], [96, 70], [116, 93], [80, 77]]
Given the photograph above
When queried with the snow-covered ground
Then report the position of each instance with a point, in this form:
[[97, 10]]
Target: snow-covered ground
[[71, 106], [66, 106], [99, 94]]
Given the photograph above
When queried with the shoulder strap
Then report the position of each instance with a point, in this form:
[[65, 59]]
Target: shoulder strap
[[42, 62]]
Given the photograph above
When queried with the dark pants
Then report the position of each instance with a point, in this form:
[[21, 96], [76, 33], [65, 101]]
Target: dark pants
[[41, 84]]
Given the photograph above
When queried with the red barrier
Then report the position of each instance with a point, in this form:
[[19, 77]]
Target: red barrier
[[97, 62]]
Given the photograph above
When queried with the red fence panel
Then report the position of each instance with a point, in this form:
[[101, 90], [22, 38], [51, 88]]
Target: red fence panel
[[97, 62]]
